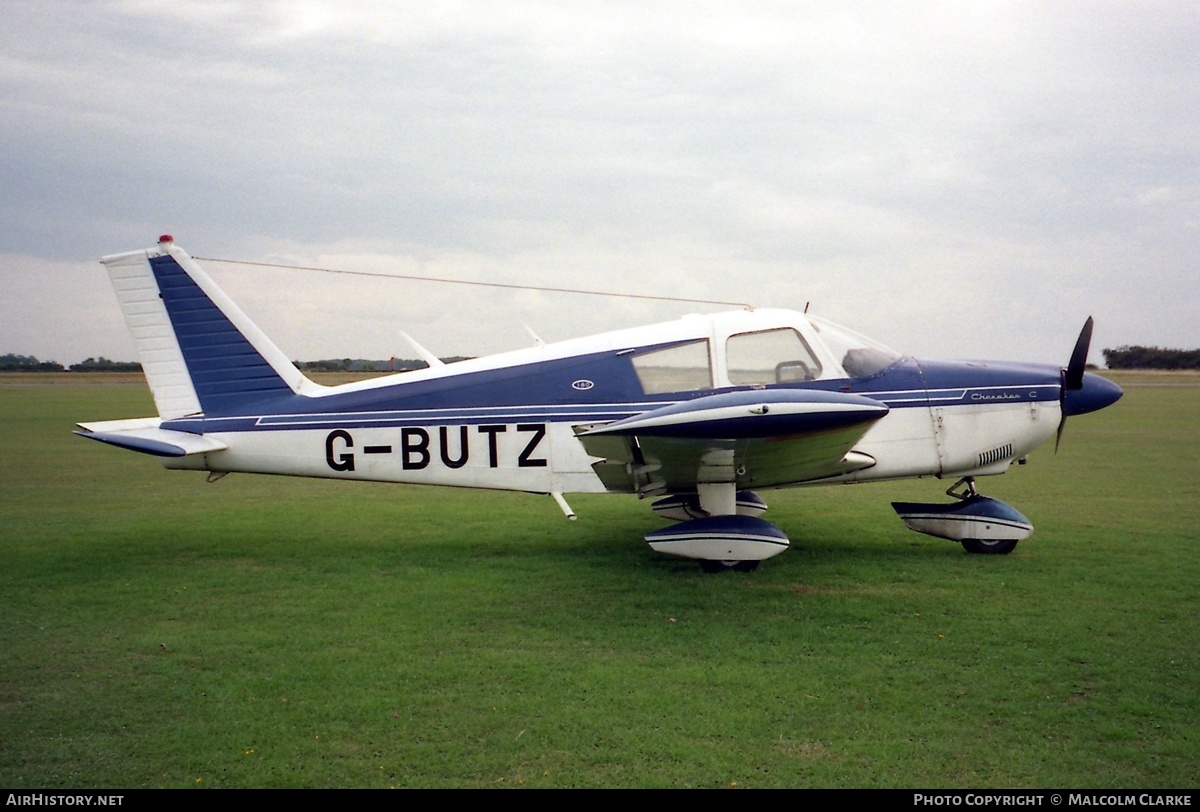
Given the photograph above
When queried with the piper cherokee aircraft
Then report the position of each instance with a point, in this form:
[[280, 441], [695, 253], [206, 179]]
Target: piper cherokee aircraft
[[698, 414]]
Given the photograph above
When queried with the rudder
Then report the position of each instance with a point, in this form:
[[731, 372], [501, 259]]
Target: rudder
[[199, 351]]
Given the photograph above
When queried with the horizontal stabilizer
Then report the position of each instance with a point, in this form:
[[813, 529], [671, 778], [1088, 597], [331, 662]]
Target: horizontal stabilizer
[[145, 437]]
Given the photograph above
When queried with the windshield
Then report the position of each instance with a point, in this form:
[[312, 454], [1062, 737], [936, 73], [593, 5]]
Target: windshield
[[858, 355]]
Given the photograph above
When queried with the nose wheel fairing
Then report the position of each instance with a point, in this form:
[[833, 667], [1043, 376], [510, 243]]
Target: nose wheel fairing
[[976, 517], [980, 523]]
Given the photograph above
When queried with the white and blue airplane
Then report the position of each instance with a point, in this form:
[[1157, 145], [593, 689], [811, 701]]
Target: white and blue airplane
[[698, 414]]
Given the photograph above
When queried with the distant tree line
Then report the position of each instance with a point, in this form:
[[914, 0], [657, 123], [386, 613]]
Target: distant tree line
[[363, 365], [1126, 357], [1151, 358], [27, 363], [102, 364], [358, 365]]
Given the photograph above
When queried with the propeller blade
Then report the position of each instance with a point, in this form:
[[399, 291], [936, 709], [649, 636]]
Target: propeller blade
[[1074, 377]]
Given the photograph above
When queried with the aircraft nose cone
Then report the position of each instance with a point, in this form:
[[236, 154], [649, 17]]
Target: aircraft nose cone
[[1097, 392]]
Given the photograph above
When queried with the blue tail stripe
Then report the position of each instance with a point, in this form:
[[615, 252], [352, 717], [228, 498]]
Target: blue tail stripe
[[227, 372]]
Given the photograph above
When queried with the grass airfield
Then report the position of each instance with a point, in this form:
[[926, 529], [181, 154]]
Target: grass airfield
[[268, 632]]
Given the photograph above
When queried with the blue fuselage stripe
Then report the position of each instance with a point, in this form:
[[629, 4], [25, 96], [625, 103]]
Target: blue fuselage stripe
[[543, 393]]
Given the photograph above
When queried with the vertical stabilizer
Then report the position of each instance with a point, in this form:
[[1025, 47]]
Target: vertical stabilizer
[[199, 351]]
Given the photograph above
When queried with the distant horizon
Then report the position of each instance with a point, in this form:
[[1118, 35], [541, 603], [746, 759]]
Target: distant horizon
[[417, 363]]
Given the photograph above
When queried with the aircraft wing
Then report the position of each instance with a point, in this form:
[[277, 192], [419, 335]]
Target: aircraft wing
[[756, 439]]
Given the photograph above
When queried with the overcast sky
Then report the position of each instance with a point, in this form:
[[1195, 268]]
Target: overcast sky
[[957, 179]]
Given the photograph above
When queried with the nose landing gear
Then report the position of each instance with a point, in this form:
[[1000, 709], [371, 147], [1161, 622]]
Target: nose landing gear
[[983, 525]]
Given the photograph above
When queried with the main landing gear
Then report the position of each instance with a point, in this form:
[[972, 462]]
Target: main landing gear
[[719, 527]]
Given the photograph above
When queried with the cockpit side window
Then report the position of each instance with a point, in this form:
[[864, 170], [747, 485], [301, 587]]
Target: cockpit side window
[[770, 356], [682, 368]]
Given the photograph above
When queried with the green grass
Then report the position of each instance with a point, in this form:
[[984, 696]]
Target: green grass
[[161, 631]]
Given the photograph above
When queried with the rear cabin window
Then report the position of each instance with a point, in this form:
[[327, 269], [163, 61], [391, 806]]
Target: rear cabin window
[[683, 368], [770, 356]]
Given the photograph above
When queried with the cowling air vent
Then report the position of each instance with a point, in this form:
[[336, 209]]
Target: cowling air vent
[[995, 455]]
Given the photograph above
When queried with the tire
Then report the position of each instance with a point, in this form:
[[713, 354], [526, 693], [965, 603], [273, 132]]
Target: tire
[[712, 566], [989, 546]]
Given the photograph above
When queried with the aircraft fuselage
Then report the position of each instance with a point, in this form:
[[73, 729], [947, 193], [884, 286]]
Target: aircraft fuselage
[[507, 422]]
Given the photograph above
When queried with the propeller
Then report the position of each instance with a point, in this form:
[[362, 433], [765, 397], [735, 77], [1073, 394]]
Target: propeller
[[1072, 375]]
